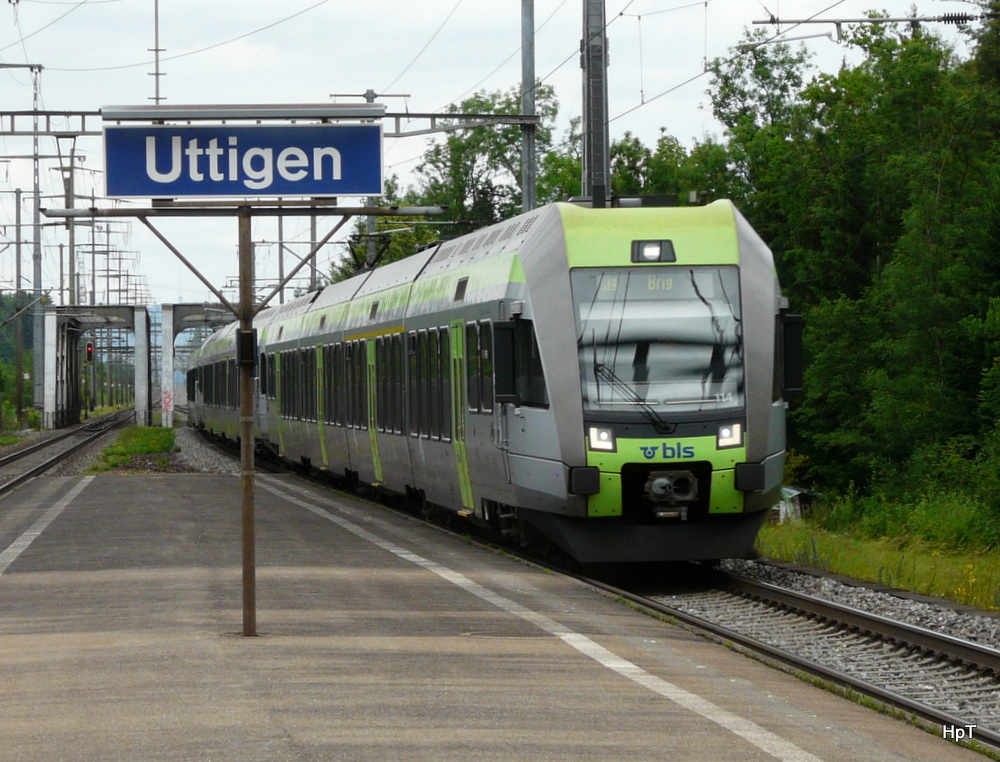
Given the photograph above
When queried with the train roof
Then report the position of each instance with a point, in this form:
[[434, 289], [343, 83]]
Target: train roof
[[714, 233]]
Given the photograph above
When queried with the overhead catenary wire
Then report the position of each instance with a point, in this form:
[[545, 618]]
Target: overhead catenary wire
[[507, 59], [424, 48], [190, 52], [639, 16], [699, 75], [23, 37]]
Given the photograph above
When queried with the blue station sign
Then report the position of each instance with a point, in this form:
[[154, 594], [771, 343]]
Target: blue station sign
[[165, 161]]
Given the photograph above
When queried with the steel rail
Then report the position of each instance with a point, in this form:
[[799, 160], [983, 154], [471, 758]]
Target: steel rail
[[843, 679], [41, 445], [946, 646], [20, 479]]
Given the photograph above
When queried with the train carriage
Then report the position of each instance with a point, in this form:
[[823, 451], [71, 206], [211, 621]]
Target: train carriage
[[610, 381]]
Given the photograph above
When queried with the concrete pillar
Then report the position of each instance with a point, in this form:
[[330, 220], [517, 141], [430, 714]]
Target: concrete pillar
[[50, 365], [143, 386], [167, 361]]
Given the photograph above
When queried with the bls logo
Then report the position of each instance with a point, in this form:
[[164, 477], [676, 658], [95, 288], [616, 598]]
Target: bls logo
[[668, 451]]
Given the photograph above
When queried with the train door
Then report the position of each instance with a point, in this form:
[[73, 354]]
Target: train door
[[458, 411]]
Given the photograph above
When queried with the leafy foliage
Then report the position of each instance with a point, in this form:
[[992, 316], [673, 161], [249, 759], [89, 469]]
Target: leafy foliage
[[876, 188]]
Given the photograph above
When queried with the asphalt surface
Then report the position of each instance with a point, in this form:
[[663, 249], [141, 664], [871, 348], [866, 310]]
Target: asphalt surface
[[380, 638]]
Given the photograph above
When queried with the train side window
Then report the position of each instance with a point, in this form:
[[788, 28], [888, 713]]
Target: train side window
[[301, 392], [381, 371], [398, 387], [234, 384], [295, 391], [529, 377], [323, 379], [444, 388], [346, 383], [293, 383], [363, 354], [472, 366], [349, 396], [433, 384], [272, 390], [425, 384], [286, 385], [303, 386], [389, 384], [486, 367], [330, 383], [312, 402], [297, 386], [337, 385], [262, 375], [413, 379], [360, 384]]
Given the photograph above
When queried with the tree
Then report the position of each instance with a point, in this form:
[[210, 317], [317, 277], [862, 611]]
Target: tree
[[560, 168], [629, 165], [475, 172]]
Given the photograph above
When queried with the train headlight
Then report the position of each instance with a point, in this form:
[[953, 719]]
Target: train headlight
[[729, 435], [653, 251], [601, 438]]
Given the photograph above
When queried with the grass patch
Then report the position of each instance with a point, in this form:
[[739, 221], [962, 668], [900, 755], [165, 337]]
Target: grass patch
[[6, 440], [971, 578], [135, 440]]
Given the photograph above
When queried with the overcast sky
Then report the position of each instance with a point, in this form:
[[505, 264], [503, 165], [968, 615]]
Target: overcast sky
[[97, 53]]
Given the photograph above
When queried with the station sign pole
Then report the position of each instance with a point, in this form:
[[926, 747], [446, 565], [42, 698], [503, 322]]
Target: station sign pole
[[246, 356], [238, 169]]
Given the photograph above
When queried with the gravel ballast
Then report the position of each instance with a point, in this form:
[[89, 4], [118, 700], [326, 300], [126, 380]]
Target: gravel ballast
[[939, 616]]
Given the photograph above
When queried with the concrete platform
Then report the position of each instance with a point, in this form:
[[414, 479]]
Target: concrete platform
[[381, 639]]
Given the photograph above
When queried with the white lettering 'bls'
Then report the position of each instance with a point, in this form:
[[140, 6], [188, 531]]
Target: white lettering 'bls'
[[255, 168]]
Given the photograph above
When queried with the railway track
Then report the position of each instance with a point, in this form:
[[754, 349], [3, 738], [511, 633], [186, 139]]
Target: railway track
[[28, 462], [949, 682]]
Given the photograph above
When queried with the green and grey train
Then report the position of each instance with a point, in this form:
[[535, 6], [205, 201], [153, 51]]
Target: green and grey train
[[608, 381]]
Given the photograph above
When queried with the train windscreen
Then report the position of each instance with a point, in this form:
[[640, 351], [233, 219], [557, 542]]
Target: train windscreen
[[659, 340]]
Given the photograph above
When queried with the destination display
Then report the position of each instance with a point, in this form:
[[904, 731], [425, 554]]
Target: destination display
[[165, 161]]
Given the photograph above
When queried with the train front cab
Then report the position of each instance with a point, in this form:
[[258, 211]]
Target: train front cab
[[681, 348]]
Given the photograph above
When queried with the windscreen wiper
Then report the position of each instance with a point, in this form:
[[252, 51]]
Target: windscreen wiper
[[603, 373]]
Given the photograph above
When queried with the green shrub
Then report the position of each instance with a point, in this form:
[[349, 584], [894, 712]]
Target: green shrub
[[135, 440]]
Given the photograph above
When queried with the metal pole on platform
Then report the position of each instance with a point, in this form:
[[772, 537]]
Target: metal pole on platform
[[246, 355], [528, 131]]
